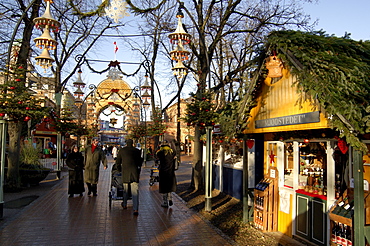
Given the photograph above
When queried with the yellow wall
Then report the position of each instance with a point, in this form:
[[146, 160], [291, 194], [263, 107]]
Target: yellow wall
[[281, 99], [285, 222]]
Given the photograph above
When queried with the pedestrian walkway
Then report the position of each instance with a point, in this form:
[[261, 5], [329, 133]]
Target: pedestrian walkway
[[55, 219]]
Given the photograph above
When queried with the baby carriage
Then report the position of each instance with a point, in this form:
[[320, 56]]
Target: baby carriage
[[116, 192], [154, 174]]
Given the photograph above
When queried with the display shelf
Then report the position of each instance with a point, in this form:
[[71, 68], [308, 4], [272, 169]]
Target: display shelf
[[265, 202]]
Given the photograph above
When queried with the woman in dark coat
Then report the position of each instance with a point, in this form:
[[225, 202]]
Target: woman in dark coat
[[75, 161], [167, 178]]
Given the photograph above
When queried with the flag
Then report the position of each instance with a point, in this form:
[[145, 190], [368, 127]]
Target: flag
[[115, 47]]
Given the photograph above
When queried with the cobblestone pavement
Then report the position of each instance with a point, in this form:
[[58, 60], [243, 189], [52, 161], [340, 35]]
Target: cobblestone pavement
[[55, 219]]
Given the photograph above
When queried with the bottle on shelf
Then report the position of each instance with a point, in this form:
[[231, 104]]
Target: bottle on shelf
[[349, 236], [347, 210], [333, 238], [337, 186], [339, 234], [261, 184], [266, 184], [338, 208], [350, 213]]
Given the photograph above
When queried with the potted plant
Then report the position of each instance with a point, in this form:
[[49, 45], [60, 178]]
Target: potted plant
[[31, 171]]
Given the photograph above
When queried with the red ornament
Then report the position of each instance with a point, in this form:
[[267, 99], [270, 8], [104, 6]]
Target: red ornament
[[18, 80], [342, 145], [20, 102], [27, 118], [27, 108], [250, 143], [272, 157], [306, 140], [12, 87], [2, 114], [20, 67]]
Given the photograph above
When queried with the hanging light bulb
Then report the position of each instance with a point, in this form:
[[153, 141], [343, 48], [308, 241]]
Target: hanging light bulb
[[79, 83], [44, 60], [146, 95], [45, 40], [47, 19], [146, 85], [179, 33], [179, 53], [146, 104], [78, 92], [179, 70]]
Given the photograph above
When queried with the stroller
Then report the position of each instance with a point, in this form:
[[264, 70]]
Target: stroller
[[116, 192], [154, 174]]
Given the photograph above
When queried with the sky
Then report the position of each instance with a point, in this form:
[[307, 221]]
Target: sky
[[335, 17], [340, 16]]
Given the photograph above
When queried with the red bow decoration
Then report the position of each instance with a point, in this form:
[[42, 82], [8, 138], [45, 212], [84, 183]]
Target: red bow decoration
[[342, 145], [250, 143]]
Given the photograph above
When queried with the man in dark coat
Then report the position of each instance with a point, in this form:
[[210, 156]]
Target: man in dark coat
[[130, 160], [167, 178], [93, 156]]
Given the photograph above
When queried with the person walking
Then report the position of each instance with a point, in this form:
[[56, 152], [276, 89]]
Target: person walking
[[167, 178], [130, 160], [75, 161], [94, 155], [114, 152]]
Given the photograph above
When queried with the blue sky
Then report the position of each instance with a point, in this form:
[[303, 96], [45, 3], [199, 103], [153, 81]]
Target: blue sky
[[340, 16]]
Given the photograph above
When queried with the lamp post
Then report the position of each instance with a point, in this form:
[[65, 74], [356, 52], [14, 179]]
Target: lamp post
[[179, 54], [2, 159]]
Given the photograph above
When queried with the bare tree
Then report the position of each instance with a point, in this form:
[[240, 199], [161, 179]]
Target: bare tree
[[225, 36]]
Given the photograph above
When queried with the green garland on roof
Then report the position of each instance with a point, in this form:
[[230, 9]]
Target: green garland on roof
[[335, 71]]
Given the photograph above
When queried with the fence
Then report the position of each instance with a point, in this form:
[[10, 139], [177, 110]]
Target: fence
[[49, 163]]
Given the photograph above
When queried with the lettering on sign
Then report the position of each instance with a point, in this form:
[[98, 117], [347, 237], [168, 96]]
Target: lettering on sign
[[289, 120]]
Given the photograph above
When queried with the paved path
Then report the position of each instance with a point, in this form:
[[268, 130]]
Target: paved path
[[55, 219]]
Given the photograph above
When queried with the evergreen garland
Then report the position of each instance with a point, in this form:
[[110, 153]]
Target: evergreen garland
[[99, 11], [335, 71]]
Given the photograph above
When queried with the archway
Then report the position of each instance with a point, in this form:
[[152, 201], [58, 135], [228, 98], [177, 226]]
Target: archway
[[115, 96]]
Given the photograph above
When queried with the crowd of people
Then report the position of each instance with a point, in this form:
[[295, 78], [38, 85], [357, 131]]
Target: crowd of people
[[84, 168]]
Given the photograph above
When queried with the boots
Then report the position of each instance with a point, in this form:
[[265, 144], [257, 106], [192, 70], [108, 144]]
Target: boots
[[89, 189], [94, 188], [165, 201]]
